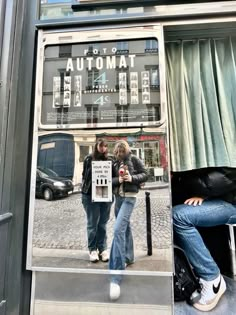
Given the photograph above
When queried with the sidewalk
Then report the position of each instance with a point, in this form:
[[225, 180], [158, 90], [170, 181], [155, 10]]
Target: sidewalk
[[68, 258]]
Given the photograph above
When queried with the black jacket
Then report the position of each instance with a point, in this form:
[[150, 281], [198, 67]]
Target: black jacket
[[136, 170], [209, 183]]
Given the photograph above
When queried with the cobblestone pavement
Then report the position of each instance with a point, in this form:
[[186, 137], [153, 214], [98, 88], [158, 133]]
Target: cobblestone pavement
[[61, 223]]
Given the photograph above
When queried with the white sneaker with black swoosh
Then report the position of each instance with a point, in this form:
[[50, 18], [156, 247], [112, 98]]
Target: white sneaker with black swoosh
[[211, 293]]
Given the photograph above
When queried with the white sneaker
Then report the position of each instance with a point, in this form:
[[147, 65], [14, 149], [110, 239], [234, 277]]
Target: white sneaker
[[93, 256], [211, 293], [104, 256], [114, 291]]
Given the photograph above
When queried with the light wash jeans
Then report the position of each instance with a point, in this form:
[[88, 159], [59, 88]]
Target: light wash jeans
[[98, 214], [122, 249], [185, 220]]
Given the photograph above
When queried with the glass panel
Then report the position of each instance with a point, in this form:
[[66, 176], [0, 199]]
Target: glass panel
[[54, 9], [77, 293], [103, 84], [88, 91], [60, 230]]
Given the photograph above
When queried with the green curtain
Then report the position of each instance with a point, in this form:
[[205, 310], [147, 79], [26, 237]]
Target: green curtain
[[201, 92]]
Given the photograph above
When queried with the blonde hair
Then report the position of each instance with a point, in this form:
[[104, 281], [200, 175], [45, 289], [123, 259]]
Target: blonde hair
[[121, 144]]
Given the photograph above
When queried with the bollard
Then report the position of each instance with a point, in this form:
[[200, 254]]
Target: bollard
[[149, 224]]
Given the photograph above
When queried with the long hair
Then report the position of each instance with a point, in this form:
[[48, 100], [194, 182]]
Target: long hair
[[96, 155], [121, 144]]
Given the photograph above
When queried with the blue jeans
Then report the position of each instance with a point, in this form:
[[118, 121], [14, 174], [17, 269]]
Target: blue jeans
[[185, 220], [122, 249], [98, 214]]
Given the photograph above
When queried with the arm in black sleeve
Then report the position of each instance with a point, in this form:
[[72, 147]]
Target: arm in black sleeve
[[141, 173], [87, 160], [84, 168], [211, 183], [115, 178]]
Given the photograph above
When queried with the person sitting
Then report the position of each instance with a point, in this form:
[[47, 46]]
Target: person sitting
[[203, 198]]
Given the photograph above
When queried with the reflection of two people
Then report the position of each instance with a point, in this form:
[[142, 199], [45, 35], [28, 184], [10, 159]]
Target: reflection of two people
[[128, 173]]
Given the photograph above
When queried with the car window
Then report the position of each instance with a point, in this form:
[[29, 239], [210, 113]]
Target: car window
[[46, 172]]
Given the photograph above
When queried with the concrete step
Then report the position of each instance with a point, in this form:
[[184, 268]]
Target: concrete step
[[64, 293], [69, 308]]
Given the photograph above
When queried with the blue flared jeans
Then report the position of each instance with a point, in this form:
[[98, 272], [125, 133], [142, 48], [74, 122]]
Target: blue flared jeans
[[122, 249], [98, 214], [187, 218]]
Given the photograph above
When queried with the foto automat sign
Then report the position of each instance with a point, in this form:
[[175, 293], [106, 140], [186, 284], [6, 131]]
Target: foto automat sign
[[103, 84]]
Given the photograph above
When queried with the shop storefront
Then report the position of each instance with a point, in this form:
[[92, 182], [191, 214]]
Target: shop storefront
[[92, 70]]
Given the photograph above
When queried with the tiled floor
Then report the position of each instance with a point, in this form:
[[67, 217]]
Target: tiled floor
[[226, 306]]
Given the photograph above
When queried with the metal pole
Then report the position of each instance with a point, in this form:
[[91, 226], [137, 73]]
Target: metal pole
[[149, 224]]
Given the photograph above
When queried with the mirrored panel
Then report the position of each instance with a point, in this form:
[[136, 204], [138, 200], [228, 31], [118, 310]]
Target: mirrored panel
[[100, 155], [60, 222]]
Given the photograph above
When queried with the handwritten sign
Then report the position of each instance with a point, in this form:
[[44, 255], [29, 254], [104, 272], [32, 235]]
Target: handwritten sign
[[101, 181]]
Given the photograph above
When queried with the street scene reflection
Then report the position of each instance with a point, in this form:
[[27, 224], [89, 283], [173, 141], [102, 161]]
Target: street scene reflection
[[60, 231], [108, 90]]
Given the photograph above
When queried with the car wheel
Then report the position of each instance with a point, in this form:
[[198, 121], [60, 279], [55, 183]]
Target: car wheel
[[48, 194]]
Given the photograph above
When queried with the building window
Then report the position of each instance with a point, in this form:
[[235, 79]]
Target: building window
[[153, 112], [151, 46], [65, 51], [92, 77], [122, 47], [154, 76], [92, 114], [121, 11], [93, 49], [151, 154], [122, 113]]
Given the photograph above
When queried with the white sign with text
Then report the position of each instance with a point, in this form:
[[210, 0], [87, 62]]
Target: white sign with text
[[101, 181]]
